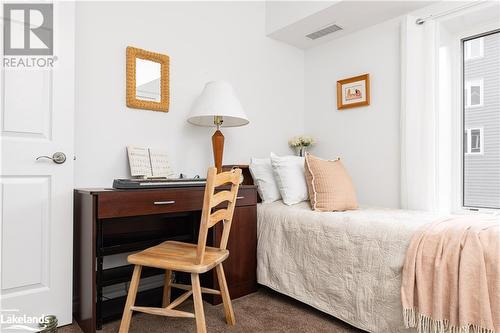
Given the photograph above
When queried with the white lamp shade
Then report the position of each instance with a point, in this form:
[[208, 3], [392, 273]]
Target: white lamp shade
[[218, 99]]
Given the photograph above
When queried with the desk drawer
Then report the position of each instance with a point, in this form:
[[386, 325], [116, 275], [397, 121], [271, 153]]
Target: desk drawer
[[135, 203], [246, 197]]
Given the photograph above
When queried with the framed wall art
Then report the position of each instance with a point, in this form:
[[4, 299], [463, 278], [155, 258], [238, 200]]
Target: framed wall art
[[353, 92]]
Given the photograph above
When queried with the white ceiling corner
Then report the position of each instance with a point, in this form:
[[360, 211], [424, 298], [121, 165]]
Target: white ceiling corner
[[351, 15]]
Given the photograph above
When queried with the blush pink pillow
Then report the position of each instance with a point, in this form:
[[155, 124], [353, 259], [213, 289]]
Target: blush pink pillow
[[330, 186]]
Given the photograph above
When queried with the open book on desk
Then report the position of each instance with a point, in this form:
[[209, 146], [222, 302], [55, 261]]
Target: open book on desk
[[147, 162]]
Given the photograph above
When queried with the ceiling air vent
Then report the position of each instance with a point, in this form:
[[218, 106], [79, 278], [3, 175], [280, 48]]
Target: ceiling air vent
[[324, 31]]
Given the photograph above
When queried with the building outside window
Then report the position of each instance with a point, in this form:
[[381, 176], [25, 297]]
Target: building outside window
[[481, 121], [474, 48]]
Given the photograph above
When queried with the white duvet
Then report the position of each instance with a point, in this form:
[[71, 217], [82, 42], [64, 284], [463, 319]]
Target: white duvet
[[347, 264]]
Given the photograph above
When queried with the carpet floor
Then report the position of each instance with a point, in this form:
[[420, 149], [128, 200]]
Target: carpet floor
[[263, 311]]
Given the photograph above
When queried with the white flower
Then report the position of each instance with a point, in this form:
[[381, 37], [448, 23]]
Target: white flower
[[301, 141]]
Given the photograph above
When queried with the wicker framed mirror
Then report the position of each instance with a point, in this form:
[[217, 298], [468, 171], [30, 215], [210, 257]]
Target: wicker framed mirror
[[147, 80]]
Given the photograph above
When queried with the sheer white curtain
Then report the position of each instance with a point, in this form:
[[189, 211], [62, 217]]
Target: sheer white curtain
[[431, 91], [419, 115]]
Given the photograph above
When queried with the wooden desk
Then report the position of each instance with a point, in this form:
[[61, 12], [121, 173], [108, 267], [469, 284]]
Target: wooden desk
[[109, 221]]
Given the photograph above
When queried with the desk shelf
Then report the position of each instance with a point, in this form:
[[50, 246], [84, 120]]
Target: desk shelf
[[123, 274], [129, 234], [141, 245], [113, 308]]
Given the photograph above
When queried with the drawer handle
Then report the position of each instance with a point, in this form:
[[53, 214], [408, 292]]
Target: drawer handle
[[164, 202], [238, 198]]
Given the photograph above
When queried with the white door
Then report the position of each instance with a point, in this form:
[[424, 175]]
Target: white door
[[36, 196]]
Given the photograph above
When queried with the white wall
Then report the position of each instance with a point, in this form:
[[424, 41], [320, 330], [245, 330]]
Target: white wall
[[366, 138], [205, 41]]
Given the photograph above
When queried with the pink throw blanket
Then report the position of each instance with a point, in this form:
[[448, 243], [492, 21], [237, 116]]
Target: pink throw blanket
[[451, 276]]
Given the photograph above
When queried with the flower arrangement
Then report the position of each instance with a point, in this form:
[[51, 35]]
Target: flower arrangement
[[300, 143]]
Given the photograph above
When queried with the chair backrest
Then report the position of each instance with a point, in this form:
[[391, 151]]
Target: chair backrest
[[211, 214]]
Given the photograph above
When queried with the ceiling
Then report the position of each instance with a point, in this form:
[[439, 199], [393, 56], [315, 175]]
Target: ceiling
[[350, 15]]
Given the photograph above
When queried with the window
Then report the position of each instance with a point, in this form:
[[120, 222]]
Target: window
[[481, 121], [473, 141], [474, 93], [474, 48]]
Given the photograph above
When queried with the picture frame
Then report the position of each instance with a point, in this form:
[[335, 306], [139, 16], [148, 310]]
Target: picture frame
[[147, 101], [353, 92]]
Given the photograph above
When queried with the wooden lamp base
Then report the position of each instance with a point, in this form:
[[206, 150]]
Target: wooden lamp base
[[218, 148]]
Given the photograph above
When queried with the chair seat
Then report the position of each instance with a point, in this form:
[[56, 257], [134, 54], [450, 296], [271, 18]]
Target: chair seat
[[178, 256]]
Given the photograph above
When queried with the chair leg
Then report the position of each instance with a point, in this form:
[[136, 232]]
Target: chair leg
[[198, 304], [167, 288], [132, 293], [226, 299]]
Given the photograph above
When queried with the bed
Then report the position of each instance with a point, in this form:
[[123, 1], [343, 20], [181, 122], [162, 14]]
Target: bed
[[347, 264]]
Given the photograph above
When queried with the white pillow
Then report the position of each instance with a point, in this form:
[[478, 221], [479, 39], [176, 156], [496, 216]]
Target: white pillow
[[262, 174], [289, 174]]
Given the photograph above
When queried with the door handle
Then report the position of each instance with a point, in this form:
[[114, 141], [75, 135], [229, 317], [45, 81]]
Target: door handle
[[57, 157]]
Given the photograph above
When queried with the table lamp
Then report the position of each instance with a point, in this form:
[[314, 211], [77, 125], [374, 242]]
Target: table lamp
[[218, 107]]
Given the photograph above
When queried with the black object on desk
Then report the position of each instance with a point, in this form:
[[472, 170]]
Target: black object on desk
[[157, 183]]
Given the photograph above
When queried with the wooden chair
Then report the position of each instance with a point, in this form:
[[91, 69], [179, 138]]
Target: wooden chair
[[190, 258]]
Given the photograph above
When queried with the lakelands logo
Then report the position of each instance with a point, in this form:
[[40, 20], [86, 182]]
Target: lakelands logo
[[28, 35], [11, 320]]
